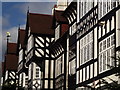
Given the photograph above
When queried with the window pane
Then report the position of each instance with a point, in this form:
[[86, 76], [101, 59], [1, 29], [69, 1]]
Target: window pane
[[108, 42]]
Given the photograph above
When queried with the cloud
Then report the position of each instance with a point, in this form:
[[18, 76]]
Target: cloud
[[35, 7], [5, 21]]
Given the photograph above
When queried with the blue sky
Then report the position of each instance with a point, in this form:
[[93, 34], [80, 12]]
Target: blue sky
[[14, 13]]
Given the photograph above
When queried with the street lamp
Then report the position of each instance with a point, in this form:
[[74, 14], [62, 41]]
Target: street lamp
[[8, 36]]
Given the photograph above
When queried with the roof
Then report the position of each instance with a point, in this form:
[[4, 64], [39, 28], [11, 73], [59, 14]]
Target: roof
[[40, 23], [12, 48], [59, 16], [21, 37], [11, 62]]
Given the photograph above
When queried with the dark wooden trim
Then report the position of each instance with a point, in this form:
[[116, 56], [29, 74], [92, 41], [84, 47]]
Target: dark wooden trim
[[86, 64], [106, 35], [115, 38], [99, 76], [90, 29], [87, 14], [54, 75]]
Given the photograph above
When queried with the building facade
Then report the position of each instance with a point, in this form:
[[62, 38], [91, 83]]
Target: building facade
[[39, 36], [21, 52], [76, 48], [10, 76]]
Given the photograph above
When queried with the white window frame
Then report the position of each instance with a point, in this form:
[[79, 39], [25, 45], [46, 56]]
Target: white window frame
[[86, 43], [103, 65]]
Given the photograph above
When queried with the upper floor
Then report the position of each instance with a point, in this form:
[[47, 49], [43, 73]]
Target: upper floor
[[39, 36]]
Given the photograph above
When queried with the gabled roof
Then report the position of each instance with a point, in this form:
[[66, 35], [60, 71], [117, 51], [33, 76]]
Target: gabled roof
[[59, 16], [12, 48], [40, 24], [11, 62], [21, 37]]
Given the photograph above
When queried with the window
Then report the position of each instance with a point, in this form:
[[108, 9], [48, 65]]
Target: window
[[112, 40], [108, 58], [57, 32], [73, 29], [37, 72], [104, 61], [84, 54], [104, 44], [58, 68], [81, 56], [108, 42], [86, 48], [72, 67], [26, 80], [100, 60], [105, 6], [112, 55], [100, 46], [105, 54], [85, 6], [88, 52]]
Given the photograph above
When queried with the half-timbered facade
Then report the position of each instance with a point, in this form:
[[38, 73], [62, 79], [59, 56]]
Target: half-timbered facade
[[10, 69], [39, 36], [93, 41], [96, 37], [71, 15], [72, 49], [22, 69], [58, 47]]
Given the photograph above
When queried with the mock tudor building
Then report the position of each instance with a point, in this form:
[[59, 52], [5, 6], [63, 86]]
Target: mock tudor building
[[39, 36], [93, 41], [73, 48], [21, 52], [97, 42], [89, 69], [10, 65], [60, 25]]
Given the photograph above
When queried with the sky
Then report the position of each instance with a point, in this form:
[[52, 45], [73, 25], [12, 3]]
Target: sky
[[14, 14]]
